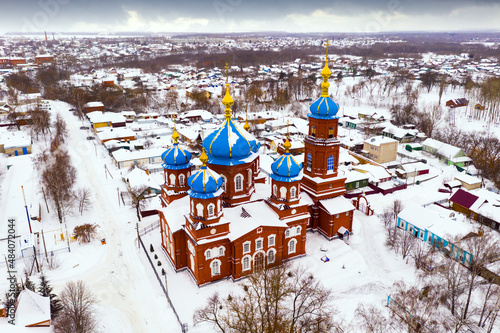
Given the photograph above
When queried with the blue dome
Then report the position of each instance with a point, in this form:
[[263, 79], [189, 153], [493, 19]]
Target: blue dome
[[286, 169], [230, 142], [205, 183], [176, 158], [324, 108]]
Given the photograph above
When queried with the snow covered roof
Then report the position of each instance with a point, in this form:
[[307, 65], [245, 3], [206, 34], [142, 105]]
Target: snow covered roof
[[379, 140], [123, 155], [260, 215], [337, 205], [32, 308], [104, 117], [465, 178], [425, 218], [115, 133], [15, 139], [94, 104]]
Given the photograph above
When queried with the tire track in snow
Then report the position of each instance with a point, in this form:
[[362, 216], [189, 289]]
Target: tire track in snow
[[107, 277]]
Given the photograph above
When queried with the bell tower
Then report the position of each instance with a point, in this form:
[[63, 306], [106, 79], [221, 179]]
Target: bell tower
[[321, 159]]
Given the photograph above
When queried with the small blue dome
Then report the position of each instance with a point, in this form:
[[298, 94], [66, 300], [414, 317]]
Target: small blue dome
[[176, 158], [205, 183], [324, 108], [286, 166], [230, 142]]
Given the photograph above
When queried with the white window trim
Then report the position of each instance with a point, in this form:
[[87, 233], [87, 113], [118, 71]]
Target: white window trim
[[273, 237], [249, 247], [208, 254], [287, 233], [294, 246], [222, 251], [182, 180], [293, 192], [249, 263], [224, 182], [267, 256], [212, 267], [261, 243], [211, 205], [236, 183]]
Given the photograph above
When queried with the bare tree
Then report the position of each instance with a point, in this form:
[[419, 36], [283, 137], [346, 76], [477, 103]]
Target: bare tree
[[273, 300], [40, 122], [371, 319], [76, 315], [61, 132], [137, 194], [83, 199], [58, 179]]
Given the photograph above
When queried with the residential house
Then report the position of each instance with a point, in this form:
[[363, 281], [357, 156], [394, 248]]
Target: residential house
[[15, 143], [106, 119], [381, 149], [122, 134], [409, 170], [430, 227], [455, 103], [478, 208], [451, 155], [126, 158], [468, 182], [93, 106]]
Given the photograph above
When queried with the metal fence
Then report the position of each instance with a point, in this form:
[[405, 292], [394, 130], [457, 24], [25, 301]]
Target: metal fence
[[150, 227], [163, 286], [404, 314]]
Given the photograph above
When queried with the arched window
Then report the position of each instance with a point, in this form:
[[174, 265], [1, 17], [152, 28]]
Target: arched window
[[293, 192], [224, 181], [192, 205], [330, 163], [181, 180], [238, 182], [330, 132], [283, 192], [172, 179], [211, 210], [287, 233], [222, 249], [271, 256], [208, 254], [246, 263], [309, 161], [298, 230], [292, 246], [199, 209], [215, 267], [249, 177], [275, 190], [313, 131], [218, 205]]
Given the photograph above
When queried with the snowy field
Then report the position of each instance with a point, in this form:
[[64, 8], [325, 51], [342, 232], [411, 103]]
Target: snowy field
[[129, 297]]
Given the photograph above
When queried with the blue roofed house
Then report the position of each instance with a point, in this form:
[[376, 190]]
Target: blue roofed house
[[436, 230]]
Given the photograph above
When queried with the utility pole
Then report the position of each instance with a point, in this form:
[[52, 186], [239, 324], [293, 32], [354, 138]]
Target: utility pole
[[27, 214]]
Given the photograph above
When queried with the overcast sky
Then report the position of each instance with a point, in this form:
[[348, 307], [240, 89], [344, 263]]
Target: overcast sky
[[248, 15]]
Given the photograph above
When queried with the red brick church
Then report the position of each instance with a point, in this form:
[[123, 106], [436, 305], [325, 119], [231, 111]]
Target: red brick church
[[225, 221]]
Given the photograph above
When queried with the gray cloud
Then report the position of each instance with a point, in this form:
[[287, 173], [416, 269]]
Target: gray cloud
[[219, 15]]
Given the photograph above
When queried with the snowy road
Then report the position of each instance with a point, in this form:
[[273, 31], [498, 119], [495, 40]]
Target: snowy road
[[120, 281]]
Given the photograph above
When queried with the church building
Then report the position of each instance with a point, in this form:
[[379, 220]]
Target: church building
[[225, 221]]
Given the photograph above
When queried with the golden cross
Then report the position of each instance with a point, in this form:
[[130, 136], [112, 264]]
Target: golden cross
[[227, 72], [327, 47]]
